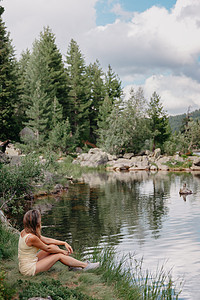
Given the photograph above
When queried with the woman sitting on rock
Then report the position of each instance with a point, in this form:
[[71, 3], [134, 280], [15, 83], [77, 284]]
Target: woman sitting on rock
[[31, 261]]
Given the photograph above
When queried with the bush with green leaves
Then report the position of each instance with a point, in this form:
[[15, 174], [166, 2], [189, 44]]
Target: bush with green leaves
[[17, 181], [6, 291], [52, 288]]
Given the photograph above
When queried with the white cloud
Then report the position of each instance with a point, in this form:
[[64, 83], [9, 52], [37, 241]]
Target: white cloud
[[68, 19], [118, 10], [177, 92], [155, 39]]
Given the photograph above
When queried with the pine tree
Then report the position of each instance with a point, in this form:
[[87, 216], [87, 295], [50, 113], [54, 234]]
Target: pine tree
[[96, 93], [60, 136], [8, 84], [78, 93], [46, 65], [22, 105], [158, 122], [57, 113], [112, 85], [38, 114]]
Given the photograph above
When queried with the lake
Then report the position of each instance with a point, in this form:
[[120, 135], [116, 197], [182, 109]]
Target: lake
[[138, 212]]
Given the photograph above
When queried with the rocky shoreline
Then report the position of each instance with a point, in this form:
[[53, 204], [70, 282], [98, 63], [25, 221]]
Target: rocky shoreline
[[130, 162]]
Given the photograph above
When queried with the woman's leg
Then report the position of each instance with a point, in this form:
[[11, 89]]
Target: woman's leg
[[47, 262], [42, 254]]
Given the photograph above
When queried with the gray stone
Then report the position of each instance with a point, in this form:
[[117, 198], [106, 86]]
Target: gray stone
[[128, 155], [157, 153], [112, 157], [27, 133], [94, 158], [4, 159], [196, 161], [161, 163]]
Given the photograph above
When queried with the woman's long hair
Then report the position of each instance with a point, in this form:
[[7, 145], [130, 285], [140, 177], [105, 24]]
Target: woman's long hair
[[32, 222]]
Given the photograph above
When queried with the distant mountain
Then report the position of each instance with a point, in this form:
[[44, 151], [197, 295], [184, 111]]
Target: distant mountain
[[176, 121]]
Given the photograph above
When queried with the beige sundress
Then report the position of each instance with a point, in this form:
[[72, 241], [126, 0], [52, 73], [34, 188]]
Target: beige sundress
[[27, 256]]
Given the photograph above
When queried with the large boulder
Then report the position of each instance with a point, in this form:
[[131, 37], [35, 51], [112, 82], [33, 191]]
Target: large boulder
[[161, 163], [139, 163], [121, 164], [94, 158]]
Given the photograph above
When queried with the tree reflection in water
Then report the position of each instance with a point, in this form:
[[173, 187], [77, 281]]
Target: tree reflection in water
[[102, 205]]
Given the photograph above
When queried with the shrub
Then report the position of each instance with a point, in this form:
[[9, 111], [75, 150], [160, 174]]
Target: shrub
[[52, 288], [6, 292], [17, 181]]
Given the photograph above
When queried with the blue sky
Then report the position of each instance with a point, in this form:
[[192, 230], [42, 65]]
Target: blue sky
[[150, 44], [104, 8]]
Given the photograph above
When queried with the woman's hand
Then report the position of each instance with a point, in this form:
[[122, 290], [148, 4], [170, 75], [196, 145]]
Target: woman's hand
[[69, 248]]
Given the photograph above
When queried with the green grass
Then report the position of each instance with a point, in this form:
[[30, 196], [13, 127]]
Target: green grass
[[172, 164]]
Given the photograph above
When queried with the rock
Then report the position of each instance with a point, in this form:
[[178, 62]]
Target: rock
[[195, 168], [141, 153], [161, 163], [27, 134], [147, 152], [4, 159], [128, 155], [157, 153], [11, 150], [139, 163], [94, 158], [112, 157], [196, 161]]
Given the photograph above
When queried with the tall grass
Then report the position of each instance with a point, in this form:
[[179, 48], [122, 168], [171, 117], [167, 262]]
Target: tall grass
[[8, 242], [131, 281]]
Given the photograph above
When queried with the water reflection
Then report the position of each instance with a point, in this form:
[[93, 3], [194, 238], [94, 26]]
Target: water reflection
[[137, 212]]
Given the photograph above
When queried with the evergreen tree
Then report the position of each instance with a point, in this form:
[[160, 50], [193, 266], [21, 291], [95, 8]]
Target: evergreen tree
[[60, 136], [158, 122], [22, 105], [103, 120], [8, 84], [38, 114], [112, 85], [96, 94], [78, 93], [57, 113], [45, 65], [126, 126]]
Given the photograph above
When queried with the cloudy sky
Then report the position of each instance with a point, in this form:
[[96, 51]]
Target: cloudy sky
[[150, 43]]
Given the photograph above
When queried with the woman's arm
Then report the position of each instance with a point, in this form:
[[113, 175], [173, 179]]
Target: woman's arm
[[33, 240], [48, 241]]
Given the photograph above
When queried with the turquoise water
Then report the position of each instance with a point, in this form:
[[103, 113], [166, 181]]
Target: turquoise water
[[139, 213]]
